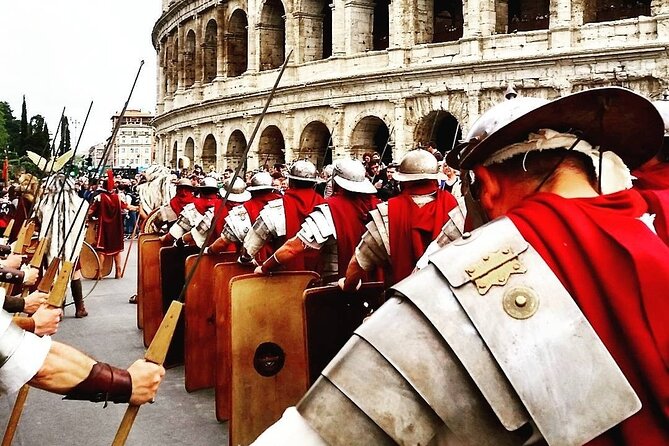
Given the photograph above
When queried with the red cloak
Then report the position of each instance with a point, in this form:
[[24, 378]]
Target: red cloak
[[411, 228], [616, 269], [297, 204], [349, 213], [107, 208], [653, 177], [183, 197]]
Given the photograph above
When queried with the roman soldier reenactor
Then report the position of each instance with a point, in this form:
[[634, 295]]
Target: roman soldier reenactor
[[280, 219], [333, 228]]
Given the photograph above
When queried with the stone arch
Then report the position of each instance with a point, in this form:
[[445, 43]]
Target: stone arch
[[272, 29], [235, 150], [610, 10], [210, 47], [314, 143], [209, 157], [371, 134], [440, 127], [381, 25], [175, 154], [271, 147], [189, 150], [189, 59], [448, 20], [236, 44]]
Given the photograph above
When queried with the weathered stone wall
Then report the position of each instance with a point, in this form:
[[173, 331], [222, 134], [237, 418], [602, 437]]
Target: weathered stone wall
[[358, 99]]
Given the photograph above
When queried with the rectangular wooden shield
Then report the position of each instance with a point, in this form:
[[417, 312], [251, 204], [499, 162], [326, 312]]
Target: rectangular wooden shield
[[200, 320], [223, 274], [269, 358], [172, 279], [331, 317], [140, 268], [149, 297]]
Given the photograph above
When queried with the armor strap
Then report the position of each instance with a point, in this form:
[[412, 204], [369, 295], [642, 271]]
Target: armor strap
[[104, 383]]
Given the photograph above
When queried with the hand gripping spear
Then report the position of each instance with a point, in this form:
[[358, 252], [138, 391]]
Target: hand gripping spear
[[158, 349]]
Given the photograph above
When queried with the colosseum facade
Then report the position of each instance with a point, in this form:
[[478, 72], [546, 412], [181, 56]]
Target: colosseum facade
[[381, 75]]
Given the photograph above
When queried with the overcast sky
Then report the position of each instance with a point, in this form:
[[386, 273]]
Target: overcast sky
[[67, 53]]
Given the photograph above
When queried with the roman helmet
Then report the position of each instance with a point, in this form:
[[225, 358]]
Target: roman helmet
[[418, 164], [349, 174]]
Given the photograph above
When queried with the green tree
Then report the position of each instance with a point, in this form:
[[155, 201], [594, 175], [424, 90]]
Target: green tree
[[38, 137], [64, 145], [11, 126], [24, 129], [4, 135]]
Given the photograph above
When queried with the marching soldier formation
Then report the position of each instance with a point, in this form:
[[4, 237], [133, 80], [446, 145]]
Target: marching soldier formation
[[536, 315]]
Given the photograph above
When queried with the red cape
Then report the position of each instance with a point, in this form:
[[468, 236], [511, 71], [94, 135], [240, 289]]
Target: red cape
[[654, 177], [411, 228], [183, 197], [349, 213], [297, 204], [107, 208], [616, 269]]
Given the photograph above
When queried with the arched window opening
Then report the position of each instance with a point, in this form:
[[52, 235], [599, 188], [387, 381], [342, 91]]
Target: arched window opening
[[439, 127], [210, 48], [189, 151], [209, 153], [175, 154], [189, 59], [448, 21], [237, 44], [272, 147], [527, 15], [371, 134], [235, 150], [611, 10], [381, 25], [315, 144], [327, 30], [272, 35]]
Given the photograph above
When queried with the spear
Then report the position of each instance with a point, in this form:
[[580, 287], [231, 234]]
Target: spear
[[157, 351]]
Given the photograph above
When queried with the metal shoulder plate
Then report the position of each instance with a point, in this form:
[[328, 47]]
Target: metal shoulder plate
[[274, 216], [167, 214], [317, 227], [237, 224], [372, 250], [187, 219], [501, 346]]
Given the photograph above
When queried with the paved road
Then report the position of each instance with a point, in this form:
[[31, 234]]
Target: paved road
[[110, 334]]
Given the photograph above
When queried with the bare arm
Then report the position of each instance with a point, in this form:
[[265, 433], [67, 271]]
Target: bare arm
[[286, 252], [66, 370]]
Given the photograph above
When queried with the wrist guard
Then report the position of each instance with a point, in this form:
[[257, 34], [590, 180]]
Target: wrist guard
[[10, 275], [26, 323], [104, 383]]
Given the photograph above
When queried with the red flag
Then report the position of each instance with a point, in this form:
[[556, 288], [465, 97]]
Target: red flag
[[5, 170]]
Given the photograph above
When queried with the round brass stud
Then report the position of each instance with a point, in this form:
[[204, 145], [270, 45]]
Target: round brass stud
[[520, 302]]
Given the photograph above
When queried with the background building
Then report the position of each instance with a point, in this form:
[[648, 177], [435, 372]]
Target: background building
[[379, 74], [134, 145]]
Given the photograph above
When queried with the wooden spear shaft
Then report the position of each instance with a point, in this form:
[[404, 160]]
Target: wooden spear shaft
[[132, 239], [156, 353]]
